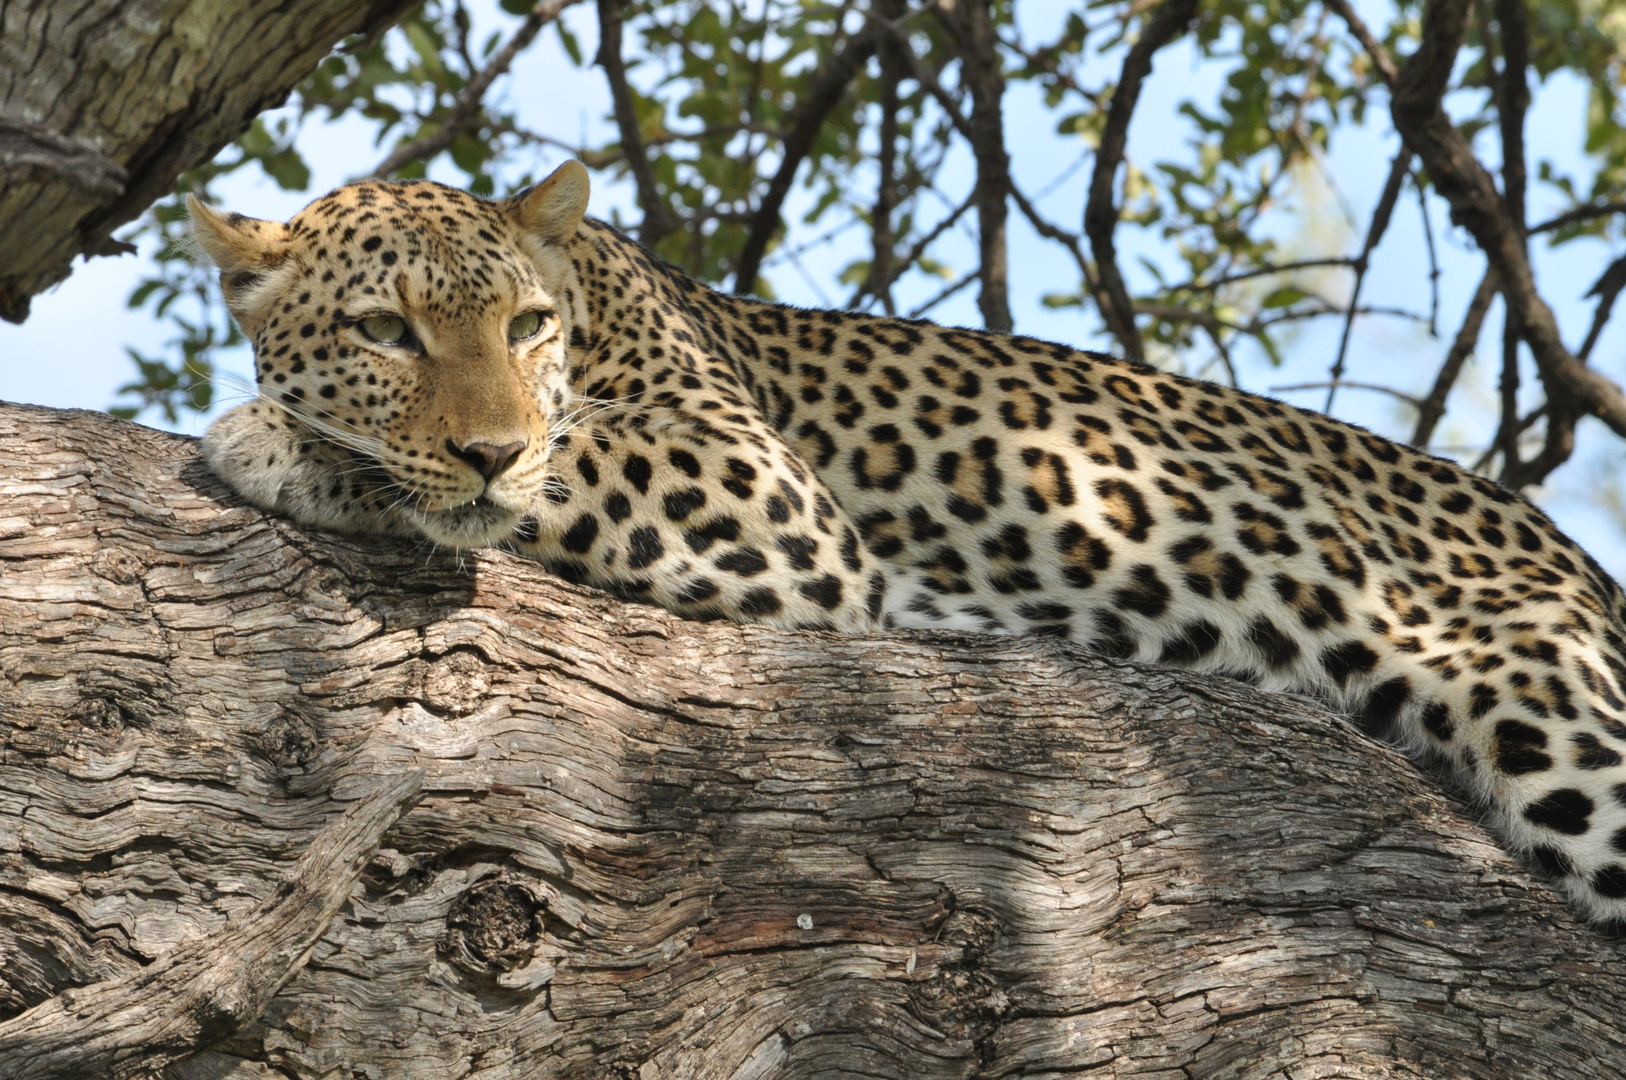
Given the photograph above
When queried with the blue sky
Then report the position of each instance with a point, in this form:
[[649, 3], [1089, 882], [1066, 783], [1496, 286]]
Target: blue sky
[[70, 353]]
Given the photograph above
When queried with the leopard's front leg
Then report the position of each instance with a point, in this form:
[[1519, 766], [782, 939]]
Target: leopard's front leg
[[279, 464], [736, 528]]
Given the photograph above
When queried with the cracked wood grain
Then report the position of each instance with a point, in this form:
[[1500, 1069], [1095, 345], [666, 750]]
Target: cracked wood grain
[[210, 987], [655, 848], [103, 103]]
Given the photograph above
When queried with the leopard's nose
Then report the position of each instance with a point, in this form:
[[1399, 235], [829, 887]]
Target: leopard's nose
[[489, 460]]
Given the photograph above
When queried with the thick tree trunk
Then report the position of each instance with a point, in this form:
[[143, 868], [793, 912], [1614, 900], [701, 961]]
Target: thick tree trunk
[[103, 103], [275, 804]]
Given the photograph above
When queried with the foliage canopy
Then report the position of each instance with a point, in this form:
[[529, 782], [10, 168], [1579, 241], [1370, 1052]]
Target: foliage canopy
[[888, 115]]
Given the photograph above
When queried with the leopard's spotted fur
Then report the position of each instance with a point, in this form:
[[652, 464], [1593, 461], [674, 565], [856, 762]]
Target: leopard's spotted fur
[[726, 457]]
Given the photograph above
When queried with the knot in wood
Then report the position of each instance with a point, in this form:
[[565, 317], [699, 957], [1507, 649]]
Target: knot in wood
[[290, 740], [100, 713], [962, 998], [455, 684], [493, 928], [118, 566]]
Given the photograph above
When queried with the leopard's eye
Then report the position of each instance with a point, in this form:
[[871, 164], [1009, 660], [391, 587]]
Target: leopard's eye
[[525, 326], [385, 329]]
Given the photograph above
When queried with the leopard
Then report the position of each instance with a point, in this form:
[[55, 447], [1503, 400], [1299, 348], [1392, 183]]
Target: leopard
[[477, 372]]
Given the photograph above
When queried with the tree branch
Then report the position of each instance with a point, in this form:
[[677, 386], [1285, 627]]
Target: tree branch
[[106, 105], [470, 101], [825, 89], [1512, 101], [658, 220], [1398, 171], [879, 282], [28, 149], [1168, 21], [1432, 407], [1477, 206], [971, 24]]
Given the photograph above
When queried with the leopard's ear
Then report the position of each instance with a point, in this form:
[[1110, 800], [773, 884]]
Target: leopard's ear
[[244, 248], [236, 243], [551, 210]]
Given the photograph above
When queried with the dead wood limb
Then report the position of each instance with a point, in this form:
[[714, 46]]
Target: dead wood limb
[[209, 988], [657, 848]]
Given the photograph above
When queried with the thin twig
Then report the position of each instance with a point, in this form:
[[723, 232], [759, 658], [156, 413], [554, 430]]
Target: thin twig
[[1259, 323], [825, 88], [1353, 385], [1433, 257], [1071, 241], [929, 80], [604, 159], [1606, 289], [900, 266], [1580, 213], [1381, 60], [1374, 236], [467, 108], [944, 295], [1432, 407], [1224, 352], [1260, 271]]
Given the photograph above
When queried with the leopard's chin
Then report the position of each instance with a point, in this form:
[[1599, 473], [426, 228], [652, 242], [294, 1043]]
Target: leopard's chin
[[476, 524]]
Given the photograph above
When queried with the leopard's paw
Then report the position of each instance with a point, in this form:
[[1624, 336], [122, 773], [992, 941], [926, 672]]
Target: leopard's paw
[[278, 464]]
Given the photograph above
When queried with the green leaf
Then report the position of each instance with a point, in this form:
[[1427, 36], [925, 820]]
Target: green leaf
[[288, 169], [1285, 296], [142, 291], [568, 40]]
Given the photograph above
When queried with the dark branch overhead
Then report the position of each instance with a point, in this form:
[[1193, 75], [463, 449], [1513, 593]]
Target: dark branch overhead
[[85, 144]]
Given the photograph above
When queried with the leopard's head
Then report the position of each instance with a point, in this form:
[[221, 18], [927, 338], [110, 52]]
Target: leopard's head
[[420, 327]]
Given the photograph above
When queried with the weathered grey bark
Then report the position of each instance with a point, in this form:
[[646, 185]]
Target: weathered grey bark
[[652, 848], [103, 103]]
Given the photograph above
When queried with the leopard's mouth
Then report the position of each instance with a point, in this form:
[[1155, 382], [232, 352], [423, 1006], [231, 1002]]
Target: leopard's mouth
[[480, 523]]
